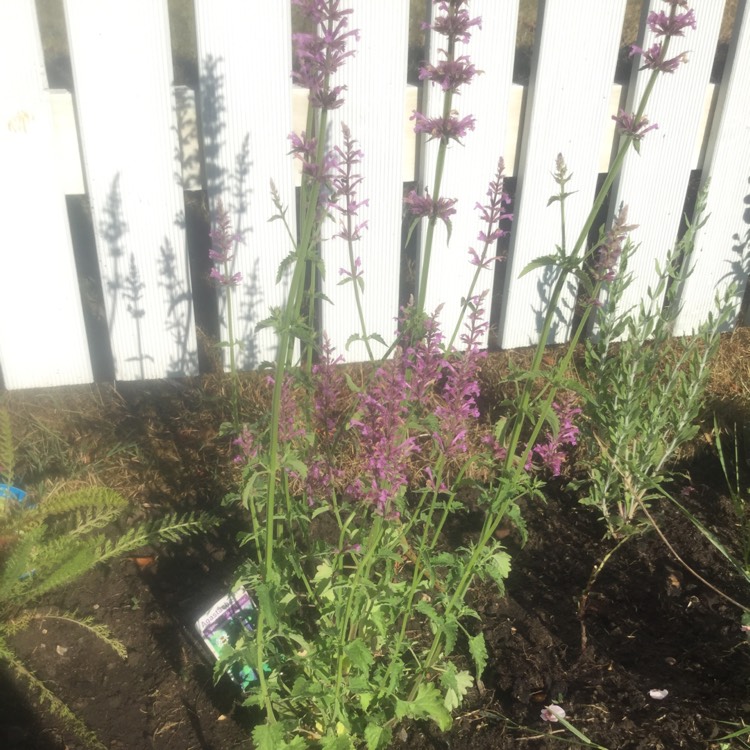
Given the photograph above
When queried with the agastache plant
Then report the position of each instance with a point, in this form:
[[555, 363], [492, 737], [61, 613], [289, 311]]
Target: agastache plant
[[351, 478]]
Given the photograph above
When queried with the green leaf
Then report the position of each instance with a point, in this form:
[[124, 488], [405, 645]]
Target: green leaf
[[377, 737], [545, 260], [354, 337], [266, 605], [412, 227], [353, 387], [427, 705], [359, 655], [498, 567], [336, 742], [456, 684], [478, 650], [449, 227], [269, 737]]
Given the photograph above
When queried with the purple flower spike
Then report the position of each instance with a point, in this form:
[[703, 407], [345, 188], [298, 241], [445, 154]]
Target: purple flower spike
[[607, 255], [493, 212], [673, 23], [322, 53], [344, 183], [551, 451], [454, 25], [223, 245], [449, 74], [652, 58], [461, 384], [225, 279], [425, 207], [627, 125], [444, 128]]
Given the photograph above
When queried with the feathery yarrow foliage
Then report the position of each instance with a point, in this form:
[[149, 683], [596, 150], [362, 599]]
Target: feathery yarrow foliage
[[51, 543]]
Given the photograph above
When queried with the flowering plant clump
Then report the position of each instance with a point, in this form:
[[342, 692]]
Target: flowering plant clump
[[350, 480]]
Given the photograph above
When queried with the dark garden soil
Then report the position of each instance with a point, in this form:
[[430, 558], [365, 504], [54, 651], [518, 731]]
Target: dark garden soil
[[650, 624]]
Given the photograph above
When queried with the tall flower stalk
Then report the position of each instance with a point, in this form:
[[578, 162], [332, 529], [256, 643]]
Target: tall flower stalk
[[450, 73]]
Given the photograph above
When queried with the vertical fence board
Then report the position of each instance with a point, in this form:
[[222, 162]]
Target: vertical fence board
[[245, 111], [721, 247], [122, 69], [469, 168], [42, 335], [653, 184], [567, 113], [374, 112]]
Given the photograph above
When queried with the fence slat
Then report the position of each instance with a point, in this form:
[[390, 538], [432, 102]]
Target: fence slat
[[376, 120], [42, 335], [129, 142], [722, 244], [567, 113], [653, 184], [469, 168], [245, 109]]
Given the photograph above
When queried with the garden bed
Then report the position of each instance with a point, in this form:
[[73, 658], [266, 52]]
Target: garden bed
[[650, 623]]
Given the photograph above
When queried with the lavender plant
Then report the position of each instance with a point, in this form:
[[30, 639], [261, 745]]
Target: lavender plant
[[647, 388], [349, 484]]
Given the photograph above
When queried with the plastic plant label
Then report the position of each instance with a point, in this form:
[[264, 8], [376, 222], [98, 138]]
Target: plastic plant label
[[224, 623], [11, 493]]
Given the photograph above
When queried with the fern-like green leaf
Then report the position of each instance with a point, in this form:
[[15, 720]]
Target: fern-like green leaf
[[72, 562], [171, 528], [7, 453], [15, 575], [84, 499], [55, 705], [102, 632]]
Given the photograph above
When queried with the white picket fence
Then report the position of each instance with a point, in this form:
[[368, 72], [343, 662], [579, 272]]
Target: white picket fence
[[130, 140]]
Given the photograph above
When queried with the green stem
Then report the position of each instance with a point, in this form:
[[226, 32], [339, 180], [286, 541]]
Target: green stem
[[439, 168], [232, 359], [347, 626], [357, 294]]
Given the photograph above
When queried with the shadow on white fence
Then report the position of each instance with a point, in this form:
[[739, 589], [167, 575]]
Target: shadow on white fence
[[136, 146]]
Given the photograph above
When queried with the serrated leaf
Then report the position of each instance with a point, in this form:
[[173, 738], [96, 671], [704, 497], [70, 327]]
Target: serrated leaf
[[323, 572], [456, 685], [377, 737], [365, 699], [478, 650], [545, 260], [359, 655], [498, 568], [336, 742], [427, 705], [268, 737], [266, 605]]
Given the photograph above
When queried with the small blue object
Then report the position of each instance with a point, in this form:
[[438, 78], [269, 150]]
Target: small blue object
[[8, 492]]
